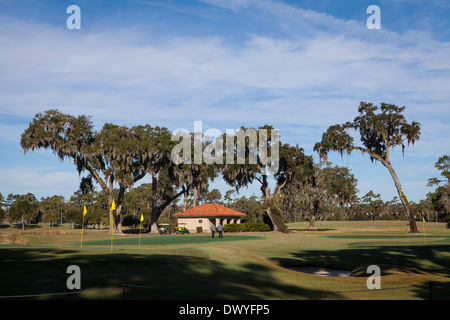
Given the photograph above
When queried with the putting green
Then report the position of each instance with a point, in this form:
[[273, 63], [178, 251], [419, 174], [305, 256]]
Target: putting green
[[152, 240]]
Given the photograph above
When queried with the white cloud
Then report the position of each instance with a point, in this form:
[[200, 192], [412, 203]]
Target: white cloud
[[39, 181], [183, 77], [309, 77]]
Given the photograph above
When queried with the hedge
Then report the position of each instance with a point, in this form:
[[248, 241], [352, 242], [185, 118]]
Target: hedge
[[244, 227]]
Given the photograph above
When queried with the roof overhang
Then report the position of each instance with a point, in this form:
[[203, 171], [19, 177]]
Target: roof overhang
[[211, 216]]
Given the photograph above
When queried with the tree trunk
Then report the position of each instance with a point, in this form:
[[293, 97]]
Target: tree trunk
[[195, 195], [154, 216], [118, 222], [275, 227], [266, 194], [312, 222], [157, 211], [118, 218], [111, 222], [153, 227], [276, 219], [412, 221]]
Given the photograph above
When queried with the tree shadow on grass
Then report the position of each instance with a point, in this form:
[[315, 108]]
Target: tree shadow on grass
[[432, 290], [431, 259], [147, 276]]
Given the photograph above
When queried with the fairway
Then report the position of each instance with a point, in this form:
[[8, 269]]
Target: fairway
[[241, 266], [386, 236], [154, 240]]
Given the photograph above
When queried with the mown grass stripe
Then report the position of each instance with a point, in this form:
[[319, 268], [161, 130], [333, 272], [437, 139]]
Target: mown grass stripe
[[171, 240]]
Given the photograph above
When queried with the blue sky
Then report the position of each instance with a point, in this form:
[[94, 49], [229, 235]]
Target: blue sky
[[300, 66]]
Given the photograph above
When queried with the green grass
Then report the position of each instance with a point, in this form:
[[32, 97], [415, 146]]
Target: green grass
[[152, 240], [239, 266], [371, 226], [387, 236]]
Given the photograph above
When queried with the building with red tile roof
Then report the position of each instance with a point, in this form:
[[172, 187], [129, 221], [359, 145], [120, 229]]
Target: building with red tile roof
[[207, 214]]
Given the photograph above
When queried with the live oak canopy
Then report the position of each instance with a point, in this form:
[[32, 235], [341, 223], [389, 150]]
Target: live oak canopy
[[115, 154], [121, 155]]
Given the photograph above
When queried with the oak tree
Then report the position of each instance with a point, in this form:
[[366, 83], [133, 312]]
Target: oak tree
[[113, 155], [293, 165], [380, 129]]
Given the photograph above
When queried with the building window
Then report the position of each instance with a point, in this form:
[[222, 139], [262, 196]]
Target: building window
[[200, 221]]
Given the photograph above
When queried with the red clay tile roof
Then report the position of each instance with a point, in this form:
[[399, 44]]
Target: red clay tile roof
[[209, 209]]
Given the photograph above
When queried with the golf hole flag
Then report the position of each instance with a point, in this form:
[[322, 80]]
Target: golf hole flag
[[113, 207], [82, 226], [140, 228]]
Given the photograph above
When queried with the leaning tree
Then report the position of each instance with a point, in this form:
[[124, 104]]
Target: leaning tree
[[381, 129]]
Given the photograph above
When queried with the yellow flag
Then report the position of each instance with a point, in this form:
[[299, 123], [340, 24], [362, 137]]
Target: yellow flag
[[82, 226], [113, 207], [142, 218], [423, 218]]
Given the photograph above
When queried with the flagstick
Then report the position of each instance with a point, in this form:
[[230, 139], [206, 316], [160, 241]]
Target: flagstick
[[112, 235], [113, 207], [140, 228], [82, 226]]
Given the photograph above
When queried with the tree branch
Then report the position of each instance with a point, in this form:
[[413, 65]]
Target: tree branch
[[97, 178], [365, 150], [279, 188], [140, 176], [168, 201]]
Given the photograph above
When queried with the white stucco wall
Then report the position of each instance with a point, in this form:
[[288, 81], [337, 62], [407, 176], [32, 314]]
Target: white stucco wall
[[192, 223]]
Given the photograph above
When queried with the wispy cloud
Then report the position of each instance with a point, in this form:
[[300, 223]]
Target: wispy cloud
[[102, 71], [39, 181], [300, 70]]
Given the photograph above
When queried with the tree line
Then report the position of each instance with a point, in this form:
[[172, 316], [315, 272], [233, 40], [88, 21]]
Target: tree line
[[115, 158], [54, 210]]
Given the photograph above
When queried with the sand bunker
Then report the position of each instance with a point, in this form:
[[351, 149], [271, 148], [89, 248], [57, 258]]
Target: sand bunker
[[319, 271]]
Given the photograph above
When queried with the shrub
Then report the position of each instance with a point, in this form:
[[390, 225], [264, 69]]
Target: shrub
[[12, 239], [129, 220], [246, 227], [231, 228], [359, 216]]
